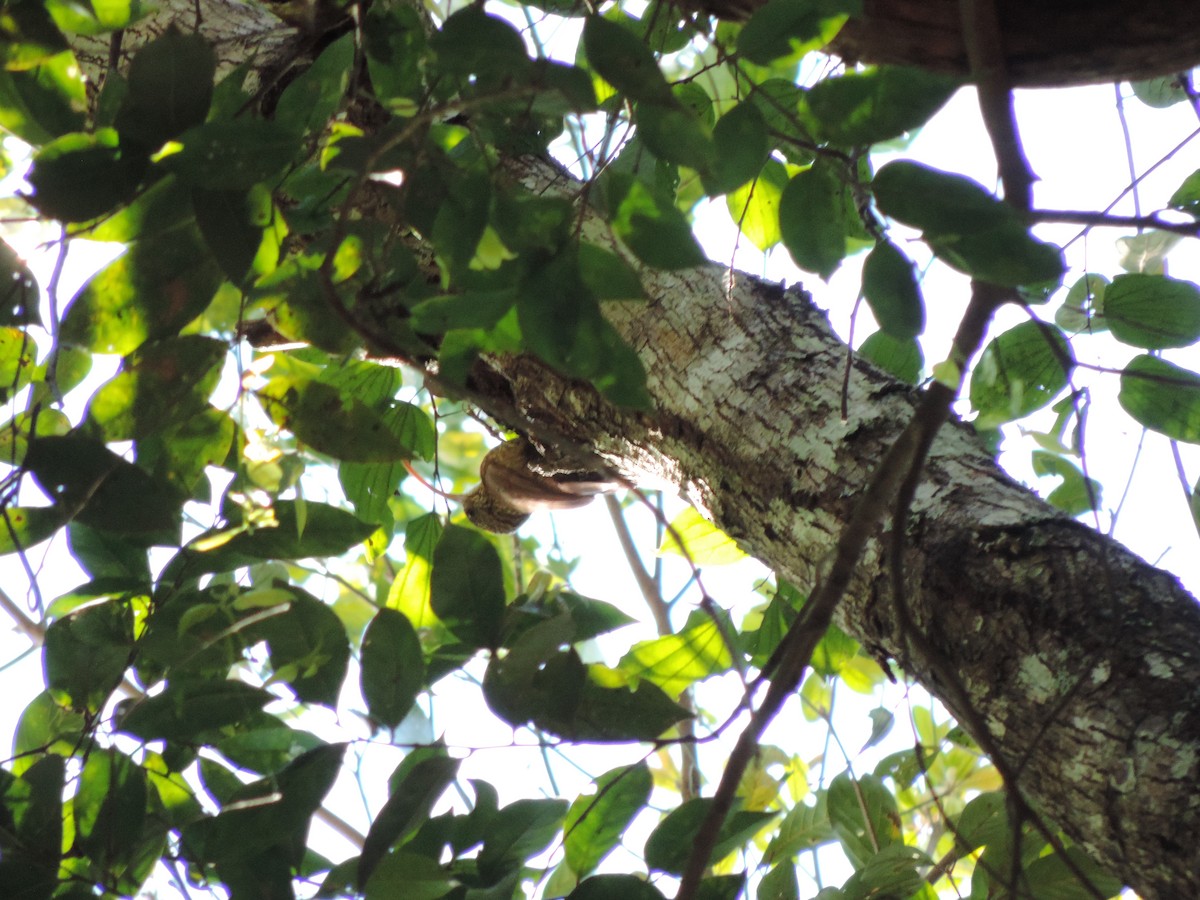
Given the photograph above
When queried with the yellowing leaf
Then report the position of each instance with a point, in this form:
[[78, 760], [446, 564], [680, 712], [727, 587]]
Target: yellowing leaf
[[705, 544]]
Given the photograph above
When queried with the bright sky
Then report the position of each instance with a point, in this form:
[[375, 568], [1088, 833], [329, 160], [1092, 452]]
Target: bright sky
[[1075, 145]]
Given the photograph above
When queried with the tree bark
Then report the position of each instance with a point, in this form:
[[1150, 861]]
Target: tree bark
[[1083, 660]]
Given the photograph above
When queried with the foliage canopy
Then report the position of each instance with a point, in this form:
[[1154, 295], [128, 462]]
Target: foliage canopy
[[290, 232]]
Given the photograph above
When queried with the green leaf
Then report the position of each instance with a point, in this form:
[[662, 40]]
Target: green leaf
[[702, 542], [242, 228], [779, 884], [517, 832], [964, 225], [180, 453], [1053, 878], [393, 667], [754, 207], [1159, 93], [900, 359], [742, 147], [472, 42], [1077, 494], [86, 654], [408, 875], [889, 283], [170, 85], [607, 275], [110, 807], [31, 841], [861, 108], [395, 45], [803, 828], [189, 709], [893, 871], [1187, 196], [46, 727], [624, 61], [675, 662], [467, 586], [864, 816], [22, 527], [267, 749], [1152, 311], [162, 383], [1146, 252], [157, 287], [311, 99], [470, 309], [597, 821], [812, 220], [792, 28], [670, 844], [1020, 371], [674, 133], [308, 646], [983, 820], [1163, 397], [232, 155], [81, 176], [408, 807], [102, 490], [328, 531], [615, 887], [657, 233], [45, 102], [332, 421]]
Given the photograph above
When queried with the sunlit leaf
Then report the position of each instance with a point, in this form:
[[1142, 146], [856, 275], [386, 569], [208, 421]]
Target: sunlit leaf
[[702, 542], [597, 821], [754, 207], [789, 28], [677, 661]]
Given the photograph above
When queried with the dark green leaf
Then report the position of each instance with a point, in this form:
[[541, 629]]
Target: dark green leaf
[[472, 42], [964, 225], [267, 749], [309, 648], [310, 100], [18, 292], [395, 44], [81, 176], [861, 108], [792, 27], [607, 275], [624, 61], [233, 224], [1020, 371], [864, 816], [189, 709], [180, 454], [170, 88], [983, 820], [1163, 397], [110, 807], [893, 871], [232, 155], [393, 667], [596, 822], [779, 884], [657, 233], [670, 844], [889, 283], [102, 490], [674, 133], [86, 654], [162, 383], [615, 887], [812, 220], [517, 832], [1152, 311], [742, 148], [467, 586], [407, 809], [1053, 878], [31, 837], [327, 531], [158, 286], [411, 876], [471, 309], [1083, 307]]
